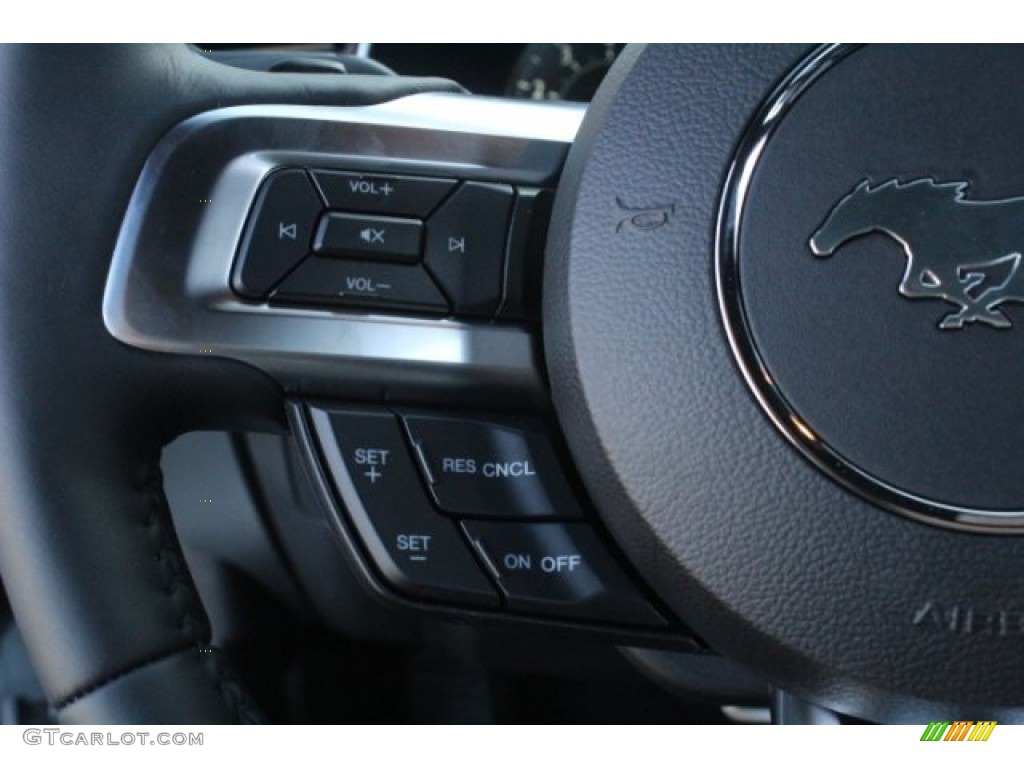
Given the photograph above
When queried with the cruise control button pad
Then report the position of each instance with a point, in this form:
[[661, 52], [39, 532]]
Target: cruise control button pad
[[434, 524]]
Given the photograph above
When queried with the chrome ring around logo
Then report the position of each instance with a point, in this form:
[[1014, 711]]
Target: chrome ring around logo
[[822, 245]]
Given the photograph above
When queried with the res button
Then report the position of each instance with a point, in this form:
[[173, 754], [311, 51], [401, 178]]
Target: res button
[[491, 468]]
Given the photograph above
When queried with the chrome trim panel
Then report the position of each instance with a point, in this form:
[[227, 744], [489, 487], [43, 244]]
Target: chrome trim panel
[[755, 372], [168, 287]]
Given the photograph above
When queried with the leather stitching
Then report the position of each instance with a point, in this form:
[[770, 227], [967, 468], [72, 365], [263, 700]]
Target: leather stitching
[[235, 697], [115, 676], [231, 689], [178, 589], [183, 597]]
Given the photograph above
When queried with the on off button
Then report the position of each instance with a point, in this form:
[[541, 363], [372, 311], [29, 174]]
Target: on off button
[[552, 568]]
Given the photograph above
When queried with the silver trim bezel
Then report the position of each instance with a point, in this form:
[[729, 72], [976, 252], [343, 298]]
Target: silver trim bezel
[[168, 286]]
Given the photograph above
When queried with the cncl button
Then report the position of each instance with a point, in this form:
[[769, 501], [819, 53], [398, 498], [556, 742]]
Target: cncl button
[[561, 570], [499, 469], [489, 468]]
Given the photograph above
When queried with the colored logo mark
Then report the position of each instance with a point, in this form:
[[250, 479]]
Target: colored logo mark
[[959, 730]]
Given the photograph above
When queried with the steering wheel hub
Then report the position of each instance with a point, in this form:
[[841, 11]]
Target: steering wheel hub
[[905, 402], [850, 203]]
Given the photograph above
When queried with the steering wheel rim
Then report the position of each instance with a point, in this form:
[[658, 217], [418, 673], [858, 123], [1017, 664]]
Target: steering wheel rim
[[88, 553]]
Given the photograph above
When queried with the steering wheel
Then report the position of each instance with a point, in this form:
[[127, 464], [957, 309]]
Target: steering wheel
[[803, 459]]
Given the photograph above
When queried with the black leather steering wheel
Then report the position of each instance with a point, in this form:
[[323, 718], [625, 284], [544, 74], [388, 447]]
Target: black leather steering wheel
[[699, 368], [90, 560]]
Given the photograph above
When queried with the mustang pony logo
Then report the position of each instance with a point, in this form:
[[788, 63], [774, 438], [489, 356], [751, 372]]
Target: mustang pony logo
[[965, 252]]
